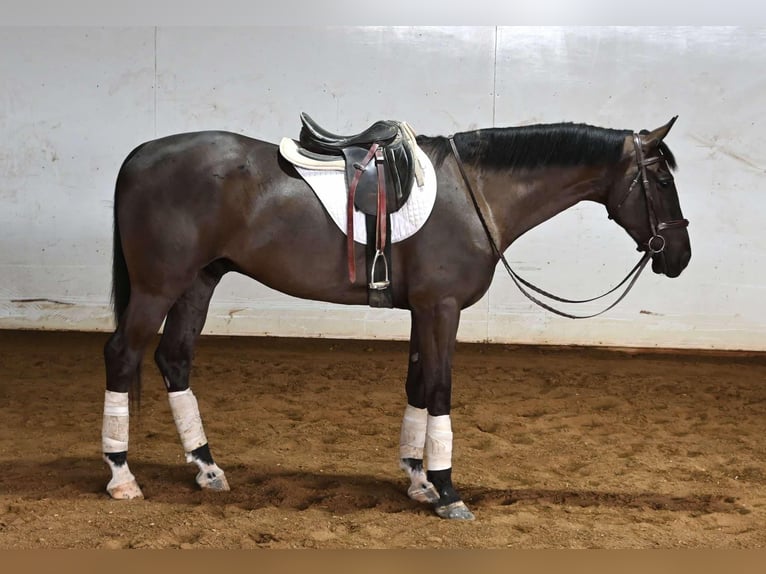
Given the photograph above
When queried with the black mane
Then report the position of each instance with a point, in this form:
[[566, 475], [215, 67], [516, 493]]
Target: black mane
[[529, 147]]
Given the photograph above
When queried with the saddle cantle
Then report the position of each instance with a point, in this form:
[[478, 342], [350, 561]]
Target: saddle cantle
[[296, 155]]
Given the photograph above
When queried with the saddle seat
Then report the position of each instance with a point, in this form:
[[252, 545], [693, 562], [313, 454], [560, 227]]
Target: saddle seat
[[382, 132]]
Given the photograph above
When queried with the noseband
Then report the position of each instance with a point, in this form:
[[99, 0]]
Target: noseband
[[654, 245]]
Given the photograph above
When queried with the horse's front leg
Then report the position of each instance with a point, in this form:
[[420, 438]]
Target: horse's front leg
[[434, 329], [412, 439]]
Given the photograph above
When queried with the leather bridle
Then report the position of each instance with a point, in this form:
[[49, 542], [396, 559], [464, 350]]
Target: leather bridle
[[656, 242], [653, 246]]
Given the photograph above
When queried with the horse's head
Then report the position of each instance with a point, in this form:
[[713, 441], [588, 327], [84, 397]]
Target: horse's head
[[644, 201]]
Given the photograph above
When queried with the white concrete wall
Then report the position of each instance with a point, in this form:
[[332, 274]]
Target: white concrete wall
[[75, 101]]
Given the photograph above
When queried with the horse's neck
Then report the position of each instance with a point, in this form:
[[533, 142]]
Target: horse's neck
[[521, 201]]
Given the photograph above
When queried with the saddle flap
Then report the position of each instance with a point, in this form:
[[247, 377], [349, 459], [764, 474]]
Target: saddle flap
[[366, 196], [397, 169], [399, 161]]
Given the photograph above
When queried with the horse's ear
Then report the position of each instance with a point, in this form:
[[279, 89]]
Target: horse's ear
[[654, 137]]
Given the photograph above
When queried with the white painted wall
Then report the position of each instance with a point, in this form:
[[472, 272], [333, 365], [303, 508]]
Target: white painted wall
[[75, 101]]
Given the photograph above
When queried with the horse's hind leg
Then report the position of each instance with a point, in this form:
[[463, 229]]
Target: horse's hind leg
[[174, 357], [122, 355]]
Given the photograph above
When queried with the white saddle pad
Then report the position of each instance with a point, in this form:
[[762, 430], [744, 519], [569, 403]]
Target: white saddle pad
[[330, 187]]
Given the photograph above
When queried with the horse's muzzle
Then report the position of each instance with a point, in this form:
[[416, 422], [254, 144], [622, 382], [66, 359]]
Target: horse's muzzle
[[664, 263]]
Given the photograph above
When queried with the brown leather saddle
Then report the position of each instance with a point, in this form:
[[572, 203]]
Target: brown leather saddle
[[380, 170]]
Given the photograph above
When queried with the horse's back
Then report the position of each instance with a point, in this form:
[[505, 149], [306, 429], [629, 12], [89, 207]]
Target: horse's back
[[195, 173], [182, 150]]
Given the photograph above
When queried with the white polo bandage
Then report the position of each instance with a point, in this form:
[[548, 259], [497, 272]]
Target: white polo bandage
[[183, 405], [114, 432], [439, 443], [413, 435]]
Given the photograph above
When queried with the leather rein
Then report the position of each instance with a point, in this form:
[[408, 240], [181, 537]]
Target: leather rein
[[655, 244]]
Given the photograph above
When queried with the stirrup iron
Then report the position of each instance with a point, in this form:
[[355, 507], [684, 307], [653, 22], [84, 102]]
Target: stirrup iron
[[379, 285]]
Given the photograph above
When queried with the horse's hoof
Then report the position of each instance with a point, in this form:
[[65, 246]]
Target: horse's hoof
[[125, 491], [455, 511], [423, 493], [210, 481]]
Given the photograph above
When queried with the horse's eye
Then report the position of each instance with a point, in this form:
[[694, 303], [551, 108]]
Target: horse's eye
[[664, 182]]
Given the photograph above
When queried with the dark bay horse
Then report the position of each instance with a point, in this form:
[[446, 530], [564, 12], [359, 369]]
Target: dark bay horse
[[189, 208]]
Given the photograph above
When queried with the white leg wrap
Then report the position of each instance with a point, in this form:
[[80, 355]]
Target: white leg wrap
[[413, 436], [114, 432], [439, 443], [114, 438], [183, 405]]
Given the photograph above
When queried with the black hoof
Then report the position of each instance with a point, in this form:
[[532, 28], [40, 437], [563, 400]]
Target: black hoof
[[449, 505]]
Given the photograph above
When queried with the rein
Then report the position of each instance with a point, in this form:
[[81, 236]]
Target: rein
[[648, 249]]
